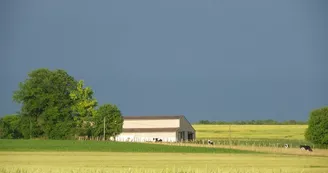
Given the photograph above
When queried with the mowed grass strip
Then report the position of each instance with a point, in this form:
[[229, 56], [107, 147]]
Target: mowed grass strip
[[105, 146], [268, 150]]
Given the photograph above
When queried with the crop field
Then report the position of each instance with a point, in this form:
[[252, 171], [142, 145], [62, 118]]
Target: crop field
[[253, 135], [101, 162], [293, 132], [27, 156]]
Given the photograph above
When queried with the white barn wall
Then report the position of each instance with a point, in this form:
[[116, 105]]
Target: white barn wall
[[135, 128], [170, 123], [146, 136]]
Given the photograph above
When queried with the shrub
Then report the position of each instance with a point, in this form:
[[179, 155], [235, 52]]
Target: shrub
[[317, 131]]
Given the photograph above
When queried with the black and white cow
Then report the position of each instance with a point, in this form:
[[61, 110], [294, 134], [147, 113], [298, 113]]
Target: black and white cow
[[305, 147], [210, 142], [157, 140]]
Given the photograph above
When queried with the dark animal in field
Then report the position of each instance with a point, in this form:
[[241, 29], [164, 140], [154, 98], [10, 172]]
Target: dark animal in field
[[210, 142], [305, 147], [157, 140]]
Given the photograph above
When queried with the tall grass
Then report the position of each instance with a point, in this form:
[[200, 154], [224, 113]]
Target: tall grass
[[170, 170], [84, 162]]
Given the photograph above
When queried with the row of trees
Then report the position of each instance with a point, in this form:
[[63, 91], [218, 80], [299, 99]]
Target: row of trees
[[255, 122], [56, 106]]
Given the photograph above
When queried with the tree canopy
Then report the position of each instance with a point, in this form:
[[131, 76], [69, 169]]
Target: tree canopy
[[317, 131], [54, 105], [10, 127], [83, 108], [46, 102], [111, 115]]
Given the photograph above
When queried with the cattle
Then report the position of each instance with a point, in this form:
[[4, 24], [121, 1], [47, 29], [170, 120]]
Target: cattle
[[210, 142], [305, 147], [157, 140], [286, 146]]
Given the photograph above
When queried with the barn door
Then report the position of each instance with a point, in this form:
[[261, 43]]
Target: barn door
[[190, 136]]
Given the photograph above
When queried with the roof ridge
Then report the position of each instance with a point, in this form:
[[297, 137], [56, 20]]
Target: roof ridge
[[154, 117]]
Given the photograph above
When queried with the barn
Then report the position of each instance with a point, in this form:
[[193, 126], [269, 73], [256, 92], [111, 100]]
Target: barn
[[150, 128]]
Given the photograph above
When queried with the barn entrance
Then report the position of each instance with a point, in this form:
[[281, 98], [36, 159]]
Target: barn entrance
[[190, 136], [185, 136]]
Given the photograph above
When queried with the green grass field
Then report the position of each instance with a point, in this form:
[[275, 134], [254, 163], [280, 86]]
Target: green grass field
[[103, 146]]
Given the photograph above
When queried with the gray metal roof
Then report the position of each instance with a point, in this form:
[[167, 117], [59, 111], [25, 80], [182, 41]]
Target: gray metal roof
[[161, 117]]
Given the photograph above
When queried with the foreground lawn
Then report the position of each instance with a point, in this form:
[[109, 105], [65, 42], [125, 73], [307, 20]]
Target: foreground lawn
[[101, 162], [104, 146], [293, 132]]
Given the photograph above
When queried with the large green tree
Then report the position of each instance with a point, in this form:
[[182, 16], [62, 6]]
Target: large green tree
[[46, 103], [317, 131], [112, 116], [83, 108], [10, 127]]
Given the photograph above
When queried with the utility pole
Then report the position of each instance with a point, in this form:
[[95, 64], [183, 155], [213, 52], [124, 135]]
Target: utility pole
[[104, 128]]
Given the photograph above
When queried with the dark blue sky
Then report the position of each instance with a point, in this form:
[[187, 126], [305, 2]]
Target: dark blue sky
[[206, 59]]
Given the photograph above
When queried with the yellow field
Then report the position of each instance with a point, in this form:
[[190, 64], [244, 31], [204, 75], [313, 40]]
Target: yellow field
[[251, 131], [280, 160], [83, 162]]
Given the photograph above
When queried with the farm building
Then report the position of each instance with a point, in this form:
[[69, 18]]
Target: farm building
[[152, 128]]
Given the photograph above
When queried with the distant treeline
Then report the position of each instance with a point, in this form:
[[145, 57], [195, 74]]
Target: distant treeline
[[255, 122]]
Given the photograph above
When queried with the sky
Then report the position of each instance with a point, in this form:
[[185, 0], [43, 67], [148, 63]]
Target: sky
[[205, 59]]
